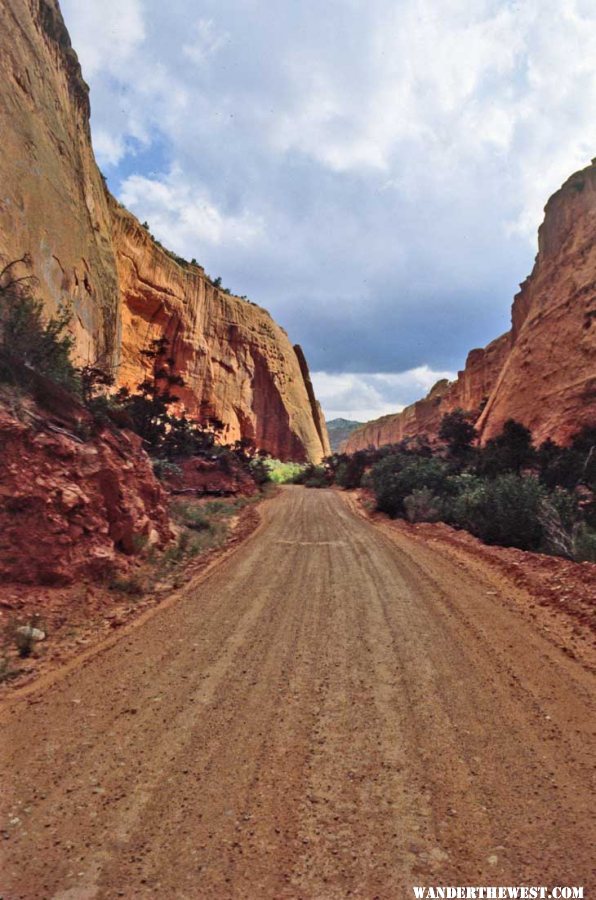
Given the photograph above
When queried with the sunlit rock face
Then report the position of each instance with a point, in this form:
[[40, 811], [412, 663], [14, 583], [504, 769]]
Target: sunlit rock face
[[53, 203], [543, 372], [125, 290], [238, 365]]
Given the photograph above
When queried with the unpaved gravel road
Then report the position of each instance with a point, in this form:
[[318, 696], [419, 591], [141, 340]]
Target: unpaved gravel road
[[332, 712]]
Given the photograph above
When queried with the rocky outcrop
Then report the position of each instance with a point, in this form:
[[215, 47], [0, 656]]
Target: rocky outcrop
[[71, 507], [315, 406], [53, 202], [543, 372], [548, 381], [237, 364], [124, 288], [470, 391], [215, 477]]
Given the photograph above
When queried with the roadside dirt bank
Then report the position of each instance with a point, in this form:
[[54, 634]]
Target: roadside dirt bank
[[558, 596], [79, 618]]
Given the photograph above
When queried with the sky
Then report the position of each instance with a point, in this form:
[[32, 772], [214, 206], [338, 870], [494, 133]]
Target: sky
[[373, 172]]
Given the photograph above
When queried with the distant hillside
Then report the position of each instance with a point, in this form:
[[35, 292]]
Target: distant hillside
[[340, 430]]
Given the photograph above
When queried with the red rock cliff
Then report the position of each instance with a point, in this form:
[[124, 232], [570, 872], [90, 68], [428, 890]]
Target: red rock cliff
[[53, 202], [239, 365], [548, 381], [543, 372]]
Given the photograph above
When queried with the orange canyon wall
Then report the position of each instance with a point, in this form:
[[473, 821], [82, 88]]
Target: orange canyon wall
[[124, 289]]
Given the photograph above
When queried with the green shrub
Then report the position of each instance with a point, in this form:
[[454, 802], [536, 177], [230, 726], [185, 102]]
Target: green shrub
[[584, 548], [505, 510], [350, 470], [422, 506], [461, 499], [510, 451], [396, 477], [458, 432], [316, 477], [559, 526], [133, 586], [259, 470], [191, 515], [30, 341], [164, 469]]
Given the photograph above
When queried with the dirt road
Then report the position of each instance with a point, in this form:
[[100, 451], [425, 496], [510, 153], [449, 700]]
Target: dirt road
[[330, 713]]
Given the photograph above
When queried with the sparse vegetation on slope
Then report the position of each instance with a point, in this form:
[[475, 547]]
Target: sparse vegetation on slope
[[508, 492]]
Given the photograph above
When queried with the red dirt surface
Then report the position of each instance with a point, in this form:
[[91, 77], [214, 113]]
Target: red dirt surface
[[79, 617], [564, 592], [339, 709]]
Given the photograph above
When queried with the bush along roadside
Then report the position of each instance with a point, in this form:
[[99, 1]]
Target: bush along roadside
[[509, 492]]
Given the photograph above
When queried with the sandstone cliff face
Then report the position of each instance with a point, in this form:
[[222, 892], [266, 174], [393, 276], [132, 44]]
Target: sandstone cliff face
[[470, 391], [86, 250], [548, 381], [237, 363], [52, 201], [543, 372]]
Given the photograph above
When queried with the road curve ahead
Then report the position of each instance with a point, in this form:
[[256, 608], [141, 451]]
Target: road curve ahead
[[330, 713]]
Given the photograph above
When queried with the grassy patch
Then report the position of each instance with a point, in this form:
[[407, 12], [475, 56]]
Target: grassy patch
[[284, 472], [132, 586], [204, 525]]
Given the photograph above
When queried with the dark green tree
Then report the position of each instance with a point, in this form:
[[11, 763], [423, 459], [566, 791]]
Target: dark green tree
[[510, 451], [458, 432]]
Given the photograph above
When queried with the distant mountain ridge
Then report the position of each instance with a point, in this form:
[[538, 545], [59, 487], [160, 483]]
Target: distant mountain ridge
[[339, 431]]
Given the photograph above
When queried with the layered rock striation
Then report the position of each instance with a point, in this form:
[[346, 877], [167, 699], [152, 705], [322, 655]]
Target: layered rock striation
[[125, 290], [543, 372]]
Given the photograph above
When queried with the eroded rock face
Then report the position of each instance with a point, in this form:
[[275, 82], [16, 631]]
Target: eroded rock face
[[71, 508], [204, 477], [53, 202], [543, 372], [548, 381], [237, 364], [470, 391], [86, 250]]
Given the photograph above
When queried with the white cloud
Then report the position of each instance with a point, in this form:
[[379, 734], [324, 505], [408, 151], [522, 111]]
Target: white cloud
[[105, 34], [375, 177], [362, 396], [206, 40], [184, 217], [109, 148]]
